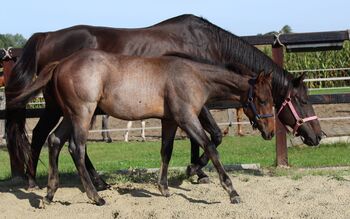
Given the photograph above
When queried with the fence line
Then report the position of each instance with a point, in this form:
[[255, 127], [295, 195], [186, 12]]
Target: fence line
[[320, 70]]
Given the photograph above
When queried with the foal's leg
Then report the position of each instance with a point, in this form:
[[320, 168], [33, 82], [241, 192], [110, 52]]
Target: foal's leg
[[143, 126], [105, 134], [209, 124], [168, 134], [195, 130], [126, 135], [55, 142], [77, 149]]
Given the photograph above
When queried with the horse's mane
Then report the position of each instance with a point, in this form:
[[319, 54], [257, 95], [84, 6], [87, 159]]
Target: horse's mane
[[235, 67], [233, 49]]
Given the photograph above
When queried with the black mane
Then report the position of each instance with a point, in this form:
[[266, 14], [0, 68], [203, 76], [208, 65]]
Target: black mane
[[234, 49]]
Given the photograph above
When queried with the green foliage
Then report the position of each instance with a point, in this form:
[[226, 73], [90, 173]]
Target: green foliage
[[319, 60], [10, 40]]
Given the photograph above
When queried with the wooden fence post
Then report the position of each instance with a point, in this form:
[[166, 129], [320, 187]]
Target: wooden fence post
[[281, 135]]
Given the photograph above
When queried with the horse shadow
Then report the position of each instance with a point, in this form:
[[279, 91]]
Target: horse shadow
[[18, 187], [141, 176]]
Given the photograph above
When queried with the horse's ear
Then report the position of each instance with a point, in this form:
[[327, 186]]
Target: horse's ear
[[299, 80], [260, 77]]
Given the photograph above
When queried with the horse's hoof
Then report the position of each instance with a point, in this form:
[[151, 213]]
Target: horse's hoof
[[47, 200], [235, 199], [33, 188], [203, 180], [190, 171], [101, 186], [164, 191], [109, 140], [100, 202]]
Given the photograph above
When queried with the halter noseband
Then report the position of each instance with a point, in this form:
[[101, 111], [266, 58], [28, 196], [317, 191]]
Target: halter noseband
[[251, 105], [299, 121]]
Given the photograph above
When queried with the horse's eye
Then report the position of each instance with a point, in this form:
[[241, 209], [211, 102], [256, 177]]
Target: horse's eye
[[303, 101], [262, 102]]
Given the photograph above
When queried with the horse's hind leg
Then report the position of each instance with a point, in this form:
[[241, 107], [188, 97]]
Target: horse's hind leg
[[98, 182], [195, 130], [80, 123], [168, 134], [105, 134], [55, 142]]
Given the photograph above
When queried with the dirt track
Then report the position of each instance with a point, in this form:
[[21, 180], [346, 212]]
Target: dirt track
[[262, 196]]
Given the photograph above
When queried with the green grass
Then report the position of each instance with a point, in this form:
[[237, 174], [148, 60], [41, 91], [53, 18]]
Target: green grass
[[330, 91], [234, 150]]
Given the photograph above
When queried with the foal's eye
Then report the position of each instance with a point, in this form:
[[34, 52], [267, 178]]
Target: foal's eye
[[262, 102]]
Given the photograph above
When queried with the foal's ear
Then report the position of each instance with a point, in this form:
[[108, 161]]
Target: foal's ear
[[299, 80], [262, 76]]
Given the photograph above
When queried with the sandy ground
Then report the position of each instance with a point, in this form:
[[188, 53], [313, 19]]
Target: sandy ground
[[262, 196]]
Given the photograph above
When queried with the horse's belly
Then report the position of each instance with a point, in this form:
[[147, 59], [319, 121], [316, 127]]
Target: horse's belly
[[134, 106]]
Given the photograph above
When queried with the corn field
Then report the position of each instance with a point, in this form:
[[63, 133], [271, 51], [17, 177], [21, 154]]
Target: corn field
[[319, 60]]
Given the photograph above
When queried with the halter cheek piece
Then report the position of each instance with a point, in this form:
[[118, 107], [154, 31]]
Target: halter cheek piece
[[250, 104], [299, 121]]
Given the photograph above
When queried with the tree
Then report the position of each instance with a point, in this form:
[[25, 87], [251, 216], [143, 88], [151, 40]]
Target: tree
[[10, 40], [284, 29]]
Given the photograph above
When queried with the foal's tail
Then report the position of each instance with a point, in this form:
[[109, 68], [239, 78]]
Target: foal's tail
[[34, 89]]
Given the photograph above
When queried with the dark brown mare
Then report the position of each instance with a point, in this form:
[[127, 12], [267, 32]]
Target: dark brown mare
[[185, 34], [169, 88]]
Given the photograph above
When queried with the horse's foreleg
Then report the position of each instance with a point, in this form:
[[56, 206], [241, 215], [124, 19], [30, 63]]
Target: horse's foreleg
[[239, 116], [168, 134], [209, 124], [105, 134], [48, 120], [195, 130], [126, 135], [55, 142], [143, 127]]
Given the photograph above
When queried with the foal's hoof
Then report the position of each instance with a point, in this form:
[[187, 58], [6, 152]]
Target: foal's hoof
[[191, 170], [100, 202], [235, 199], [165, 191], [101, 186], [47, 200], [108, 140], [33, 188], [203, 180]]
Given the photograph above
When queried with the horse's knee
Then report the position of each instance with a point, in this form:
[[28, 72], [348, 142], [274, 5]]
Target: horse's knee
[[216, 138]]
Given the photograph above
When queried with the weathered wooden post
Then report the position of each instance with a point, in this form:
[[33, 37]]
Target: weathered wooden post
[[281, 135]]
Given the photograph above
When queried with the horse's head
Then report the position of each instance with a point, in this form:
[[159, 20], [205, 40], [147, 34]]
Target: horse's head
[[259, 105], [297, 112]]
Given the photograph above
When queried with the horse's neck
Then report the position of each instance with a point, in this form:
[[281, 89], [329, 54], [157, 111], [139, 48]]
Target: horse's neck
[[226, 85]]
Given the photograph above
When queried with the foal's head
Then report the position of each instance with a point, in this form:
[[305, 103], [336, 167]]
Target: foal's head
[[259, 105]]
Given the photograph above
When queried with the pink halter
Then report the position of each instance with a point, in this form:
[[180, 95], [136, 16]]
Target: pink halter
[[299, 121]]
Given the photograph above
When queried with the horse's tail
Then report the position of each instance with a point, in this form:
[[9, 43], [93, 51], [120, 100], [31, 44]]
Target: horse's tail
[[20, 78], [34, 89]]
